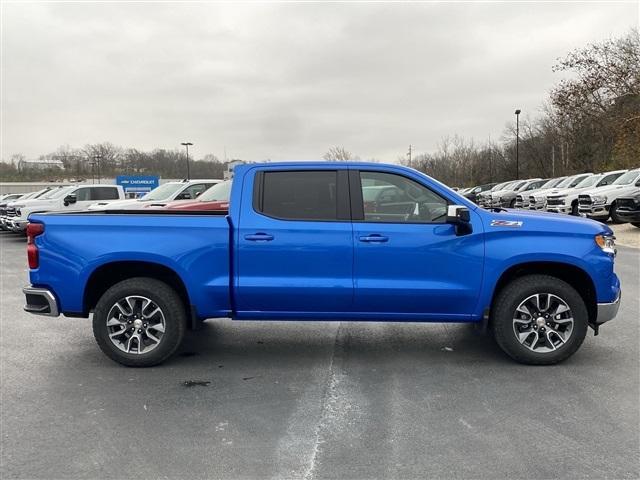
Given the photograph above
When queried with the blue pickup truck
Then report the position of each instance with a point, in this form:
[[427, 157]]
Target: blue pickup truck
[[326, 241]]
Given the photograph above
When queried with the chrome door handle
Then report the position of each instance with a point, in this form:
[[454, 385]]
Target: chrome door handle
[[374, 238], [259, 237]]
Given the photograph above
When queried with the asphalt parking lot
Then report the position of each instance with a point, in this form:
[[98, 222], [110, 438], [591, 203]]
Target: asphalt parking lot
[[315, 400]]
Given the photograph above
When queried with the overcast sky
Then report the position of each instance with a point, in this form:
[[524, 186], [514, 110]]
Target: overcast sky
[[282, 81]]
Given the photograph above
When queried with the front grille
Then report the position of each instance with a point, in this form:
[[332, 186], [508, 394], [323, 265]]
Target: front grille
[[628, 204], [11, 212], [520, 202], [552, 202], [585, 200]]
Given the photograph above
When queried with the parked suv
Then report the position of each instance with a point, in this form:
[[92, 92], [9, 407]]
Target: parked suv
[[522, 199], [628, 209], [600, 203], [566, 200], [160, 196], [74, 197], [538, 200]]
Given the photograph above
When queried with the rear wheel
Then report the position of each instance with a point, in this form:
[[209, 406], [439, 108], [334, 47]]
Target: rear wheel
[[139, 322], [539, 320]]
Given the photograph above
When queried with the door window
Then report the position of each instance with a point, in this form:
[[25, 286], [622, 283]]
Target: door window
[[104, 193], [83, 194], [302, 195], [193, 191], [392, 198]]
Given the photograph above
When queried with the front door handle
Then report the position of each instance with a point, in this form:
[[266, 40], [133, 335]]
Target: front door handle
[[374, 238], [259, 237]]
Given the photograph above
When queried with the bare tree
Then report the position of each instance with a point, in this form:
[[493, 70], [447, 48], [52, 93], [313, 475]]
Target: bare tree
[[339, 154]]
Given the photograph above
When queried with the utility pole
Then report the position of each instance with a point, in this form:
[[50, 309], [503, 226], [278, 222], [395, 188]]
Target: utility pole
[[187, 144], [409, 154], [518, 144], [553, 160], [96, 159]]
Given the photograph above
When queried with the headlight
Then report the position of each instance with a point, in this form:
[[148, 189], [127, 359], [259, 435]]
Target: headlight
[[599, 198], [607, 243]]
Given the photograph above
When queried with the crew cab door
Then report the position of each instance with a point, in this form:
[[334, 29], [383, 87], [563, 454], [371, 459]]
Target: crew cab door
[[407, 260], [295, 244]]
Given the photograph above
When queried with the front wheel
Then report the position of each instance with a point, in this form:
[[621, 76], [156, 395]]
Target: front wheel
[[539, 320], [139, 322], [614, 215]]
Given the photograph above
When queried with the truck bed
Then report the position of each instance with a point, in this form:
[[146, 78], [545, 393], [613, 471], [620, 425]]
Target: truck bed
[[195, 245]]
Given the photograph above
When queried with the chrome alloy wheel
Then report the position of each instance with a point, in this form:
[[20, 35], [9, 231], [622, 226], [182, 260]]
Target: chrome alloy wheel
[[135, 324], [543, 322]]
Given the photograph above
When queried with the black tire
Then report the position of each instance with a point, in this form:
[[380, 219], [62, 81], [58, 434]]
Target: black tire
[[510, 297], [614, 215], [513, 203], [574, 208], [171, 306]]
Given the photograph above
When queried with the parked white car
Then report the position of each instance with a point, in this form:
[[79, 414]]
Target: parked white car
[[600, 203], [160, 196], [73, 197], [538, 200], [566, 199]]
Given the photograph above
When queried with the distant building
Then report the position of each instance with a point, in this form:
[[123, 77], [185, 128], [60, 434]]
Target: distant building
[[40, 164]]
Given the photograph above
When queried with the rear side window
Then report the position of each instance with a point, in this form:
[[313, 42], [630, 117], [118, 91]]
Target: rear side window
[[304, 195], [104, 193]]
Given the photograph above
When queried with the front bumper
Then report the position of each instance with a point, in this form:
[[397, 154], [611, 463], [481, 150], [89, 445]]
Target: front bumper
[[40, 301], [594, 211], [18, 226], [559, 208], [608, 311]]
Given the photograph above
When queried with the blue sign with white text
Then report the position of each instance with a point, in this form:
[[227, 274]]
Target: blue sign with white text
[[137, 185]]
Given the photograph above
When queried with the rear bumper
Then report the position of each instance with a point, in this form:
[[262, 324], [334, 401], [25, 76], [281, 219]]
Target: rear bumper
[[40, 301], [608, 311]]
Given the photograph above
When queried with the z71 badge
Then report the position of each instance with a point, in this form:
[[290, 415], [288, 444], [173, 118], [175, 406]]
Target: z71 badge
[[506, 223]]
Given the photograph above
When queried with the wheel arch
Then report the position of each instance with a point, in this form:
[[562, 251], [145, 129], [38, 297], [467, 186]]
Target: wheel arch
[[571, 274], [108, 274]]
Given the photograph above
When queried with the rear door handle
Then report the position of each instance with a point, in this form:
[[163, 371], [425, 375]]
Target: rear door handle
[[374, 238], [259, 237]]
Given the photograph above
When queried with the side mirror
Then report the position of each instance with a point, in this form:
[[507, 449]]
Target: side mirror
[[460, 217], [69, 199], [458, 214], [638, 183]]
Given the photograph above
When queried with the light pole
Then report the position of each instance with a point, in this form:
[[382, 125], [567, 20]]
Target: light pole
[[518, 144], [186, 145]]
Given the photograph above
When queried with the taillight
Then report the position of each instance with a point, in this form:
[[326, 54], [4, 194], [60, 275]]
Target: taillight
[[33, 230]]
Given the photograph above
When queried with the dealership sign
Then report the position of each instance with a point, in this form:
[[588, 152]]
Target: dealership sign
[[137, 184]]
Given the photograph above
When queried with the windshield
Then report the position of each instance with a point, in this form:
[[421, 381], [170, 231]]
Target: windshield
[[163, 192], [60, 192], [552, 183], [519, 186], [627, 178], [587, 182], [565, 182], [217, 193], [50, 194], [577, 179], [498, 187]]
